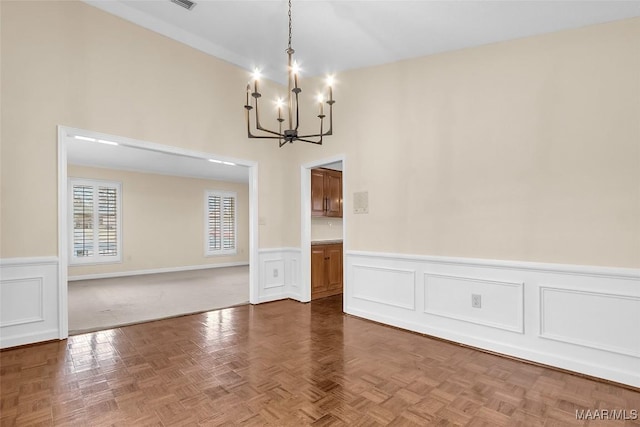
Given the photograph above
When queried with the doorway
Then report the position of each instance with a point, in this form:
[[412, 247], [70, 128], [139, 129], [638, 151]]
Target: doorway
[[161, 156], [337, 163]]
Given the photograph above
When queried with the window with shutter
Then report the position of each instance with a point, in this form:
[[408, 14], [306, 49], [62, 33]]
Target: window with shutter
[[95, 221], [220, 223]]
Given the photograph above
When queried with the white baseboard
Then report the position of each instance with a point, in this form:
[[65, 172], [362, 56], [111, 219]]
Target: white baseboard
[[28, 300], [155, 271], [29, 338], [582, 319]]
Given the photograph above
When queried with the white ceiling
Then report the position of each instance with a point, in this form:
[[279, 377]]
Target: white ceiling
[[124, 157], [331, 36]]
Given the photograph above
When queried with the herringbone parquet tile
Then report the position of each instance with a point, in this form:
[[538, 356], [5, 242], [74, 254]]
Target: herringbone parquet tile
[[285, 364]]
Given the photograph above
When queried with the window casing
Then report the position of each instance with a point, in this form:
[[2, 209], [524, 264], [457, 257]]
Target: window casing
[[220, 209], [94, 221]]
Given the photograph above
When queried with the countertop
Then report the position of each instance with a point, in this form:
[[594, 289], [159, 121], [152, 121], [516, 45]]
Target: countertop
[[325, 242]]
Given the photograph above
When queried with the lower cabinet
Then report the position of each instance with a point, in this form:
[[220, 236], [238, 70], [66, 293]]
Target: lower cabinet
[[326, 270]]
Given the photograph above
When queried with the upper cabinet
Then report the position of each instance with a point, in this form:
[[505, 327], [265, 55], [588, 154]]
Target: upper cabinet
[[326, 193]]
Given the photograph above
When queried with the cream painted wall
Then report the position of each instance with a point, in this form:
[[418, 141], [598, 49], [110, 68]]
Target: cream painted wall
[[67, 63], [522, 150], [163, 220]]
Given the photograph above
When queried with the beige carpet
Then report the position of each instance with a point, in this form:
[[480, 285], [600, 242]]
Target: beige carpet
[[106, 303]]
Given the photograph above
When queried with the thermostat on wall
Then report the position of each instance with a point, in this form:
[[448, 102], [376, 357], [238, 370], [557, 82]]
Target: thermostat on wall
[[361, 202]]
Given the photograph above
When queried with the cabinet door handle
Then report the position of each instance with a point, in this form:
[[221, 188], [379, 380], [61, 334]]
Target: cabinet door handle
[[326, 203]]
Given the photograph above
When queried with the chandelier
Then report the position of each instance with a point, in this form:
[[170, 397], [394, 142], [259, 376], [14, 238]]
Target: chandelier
[[292, 120]]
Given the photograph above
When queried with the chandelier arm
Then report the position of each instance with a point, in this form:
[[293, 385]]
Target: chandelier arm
[[314, 135], [297, 112], [264, 136], [257, 115], [330, 131], [277, 135], [249, 124], [259, 126], [319, 142], [281, 141], [251, 135], [304, 137], [321, 134]]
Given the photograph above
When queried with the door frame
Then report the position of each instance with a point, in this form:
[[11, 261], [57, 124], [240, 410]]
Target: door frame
[[65, 132], [305, 223]]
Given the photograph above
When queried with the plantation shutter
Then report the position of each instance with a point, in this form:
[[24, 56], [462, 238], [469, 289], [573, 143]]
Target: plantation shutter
[[220, 222], [107, 219], [82, 220], [229, 223], [95, 221], [215, 230]]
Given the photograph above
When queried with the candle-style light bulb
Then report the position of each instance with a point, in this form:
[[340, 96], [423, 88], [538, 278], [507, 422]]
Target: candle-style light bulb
[[256, 76], [279, 104], [321, 102], [295, 70], [330, 82]]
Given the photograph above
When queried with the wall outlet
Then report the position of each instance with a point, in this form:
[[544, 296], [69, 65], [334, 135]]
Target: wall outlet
[[476, 301], [275, 272]]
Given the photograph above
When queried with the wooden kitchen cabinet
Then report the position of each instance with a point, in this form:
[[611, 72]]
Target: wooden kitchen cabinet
[[326, 270], [326, 193]]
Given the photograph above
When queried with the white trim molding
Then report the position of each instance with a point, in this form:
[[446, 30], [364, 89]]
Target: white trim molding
[[28, 300], [579, 318]]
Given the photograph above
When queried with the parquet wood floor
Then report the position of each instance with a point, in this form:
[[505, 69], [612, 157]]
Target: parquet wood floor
[[285, 364]]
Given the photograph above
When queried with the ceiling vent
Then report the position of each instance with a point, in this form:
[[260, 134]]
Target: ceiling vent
[[185, 3]]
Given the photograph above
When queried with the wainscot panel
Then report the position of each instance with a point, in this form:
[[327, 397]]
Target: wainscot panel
[[28, 300], [279, 274], [579, 318], [595, 319], [499, 304], [391, 286]]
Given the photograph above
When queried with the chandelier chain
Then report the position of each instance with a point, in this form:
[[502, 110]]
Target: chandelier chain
[[289, 24]]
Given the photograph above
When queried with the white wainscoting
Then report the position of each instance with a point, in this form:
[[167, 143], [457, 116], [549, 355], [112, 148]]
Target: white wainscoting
[[279, 274], [580, 318], [28, 300]]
